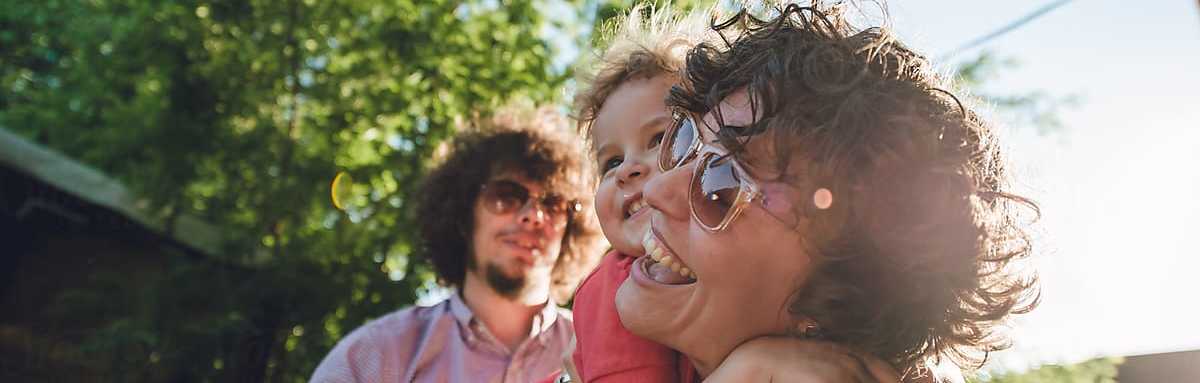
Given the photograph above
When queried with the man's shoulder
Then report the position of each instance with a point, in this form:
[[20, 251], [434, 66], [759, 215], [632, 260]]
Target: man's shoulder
[[407, 319], [399, 324], [375, 347]]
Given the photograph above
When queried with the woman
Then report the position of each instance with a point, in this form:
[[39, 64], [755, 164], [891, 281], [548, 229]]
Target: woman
[[818, 183]]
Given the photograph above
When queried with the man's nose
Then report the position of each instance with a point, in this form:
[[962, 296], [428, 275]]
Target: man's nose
[[532, 213]]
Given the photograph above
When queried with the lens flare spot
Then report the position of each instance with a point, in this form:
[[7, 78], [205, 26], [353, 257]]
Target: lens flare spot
[[340, 190], [823, 198]]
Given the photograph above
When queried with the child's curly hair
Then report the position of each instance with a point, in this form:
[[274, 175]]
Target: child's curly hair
[[645, 43], [915, 258]]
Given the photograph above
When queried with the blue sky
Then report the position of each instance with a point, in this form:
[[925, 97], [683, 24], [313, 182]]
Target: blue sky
[[1119, 186]]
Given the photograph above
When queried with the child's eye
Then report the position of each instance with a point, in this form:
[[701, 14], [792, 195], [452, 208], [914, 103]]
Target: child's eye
[[610, 164], [656, 140]]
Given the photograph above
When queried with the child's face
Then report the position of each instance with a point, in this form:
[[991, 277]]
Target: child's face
[[625, 138]]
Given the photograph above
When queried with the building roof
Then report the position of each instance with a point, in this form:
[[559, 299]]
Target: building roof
[[94, 187], [1179, 366]]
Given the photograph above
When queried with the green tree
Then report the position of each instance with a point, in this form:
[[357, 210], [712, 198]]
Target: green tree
[[241, 112], [1099, 370]]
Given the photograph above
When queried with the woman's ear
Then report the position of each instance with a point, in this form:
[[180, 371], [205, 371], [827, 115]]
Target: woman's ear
[[808, 328], [783, 201]]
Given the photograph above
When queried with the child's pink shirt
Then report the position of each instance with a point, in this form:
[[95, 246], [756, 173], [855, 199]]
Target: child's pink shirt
[[604, 350]]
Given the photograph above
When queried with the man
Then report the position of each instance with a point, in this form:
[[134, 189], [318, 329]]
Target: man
[[502, 221]]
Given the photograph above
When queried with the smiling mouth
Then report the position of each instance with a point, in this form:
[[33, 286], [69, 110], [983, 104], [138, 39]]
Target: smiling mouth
[[533, 247], [661, 265], [634, 205]]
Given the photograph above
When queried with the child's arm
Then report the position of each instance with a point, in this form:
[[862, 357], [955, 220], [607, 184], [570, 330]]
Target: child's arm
[[789, 359]]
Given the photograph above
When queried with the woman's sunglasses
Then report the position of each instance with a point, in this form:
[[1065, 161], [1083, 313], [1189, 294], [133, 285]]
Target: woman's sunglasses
[[505, 197], [719, 189]]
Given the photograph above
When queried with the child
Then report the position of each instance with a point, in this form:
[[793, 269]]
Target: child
[[623, 110]]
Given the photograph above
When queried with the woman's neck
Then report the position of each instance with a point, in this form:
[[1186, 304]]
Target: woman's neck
[[705, 359]]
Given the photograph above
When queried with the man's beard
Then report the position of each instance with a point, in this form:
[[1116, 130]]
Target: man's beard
[[504, 285]]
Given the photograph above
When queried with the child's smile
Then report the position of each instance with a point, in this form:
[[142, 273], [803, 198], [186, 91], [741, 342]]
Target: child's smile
[[625, 137]]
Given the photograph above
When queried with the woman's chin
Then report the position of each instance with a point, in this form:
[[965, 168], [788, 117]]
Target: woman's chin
[[640, 315], [653, 310]]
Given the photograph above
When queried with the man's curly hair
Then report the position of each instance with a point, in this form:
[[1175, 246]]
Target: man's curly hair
[[915, 259], [534, 144]]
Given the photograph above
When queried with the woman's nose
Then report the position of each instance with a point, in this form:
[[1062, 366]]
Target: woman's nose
[[667, 192]]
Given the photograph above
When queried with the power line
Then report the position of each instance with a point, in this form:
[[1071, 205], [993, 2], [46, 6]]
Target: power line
[[1007, 28]]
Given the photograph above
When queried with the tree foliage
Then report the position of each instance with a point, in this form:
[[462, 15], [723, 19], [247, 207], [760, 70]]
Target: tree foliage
[[241, 112], [1099, 370]]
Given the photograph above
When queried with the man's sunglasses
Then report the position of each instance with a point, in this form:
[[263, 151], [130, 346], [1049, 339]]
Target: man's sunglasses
[[504, 197], [719, 189]]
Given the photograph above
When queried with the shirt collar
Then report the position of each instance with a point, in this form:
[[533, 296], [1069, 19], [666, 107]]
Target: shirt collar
[[544, 320], [459, 309], [541, 322]]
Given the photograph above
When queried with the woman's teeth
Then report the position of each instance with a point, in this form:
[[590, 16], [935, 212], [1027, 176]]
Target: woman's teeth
[[660, 255], [635, 207]]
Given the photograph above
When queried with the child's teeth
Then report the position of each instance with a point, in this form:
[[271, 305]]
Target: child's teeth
[[636, 206], [657, 255], [684, 272], [666, 260], [675, 267]]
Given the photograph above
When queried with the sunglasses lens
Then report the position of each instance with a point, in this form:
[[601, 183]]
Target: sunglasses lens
[[678, 143], [714, 190], [554, 205], [502, 197]]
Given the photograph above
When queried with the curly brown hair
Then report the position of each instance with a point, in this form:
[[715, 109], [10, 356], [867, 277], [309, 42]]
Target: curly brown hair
[[538, 146], [645, 43], [917, 258]]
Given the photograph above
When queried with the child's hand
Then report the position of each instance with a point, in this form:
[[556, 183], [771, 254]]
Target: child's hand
[[789, 359]]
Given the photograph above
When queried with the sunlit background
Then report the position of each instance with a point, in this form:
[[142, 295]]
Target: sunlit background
[[1117, 173], [219, 191], [1118, 183]]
